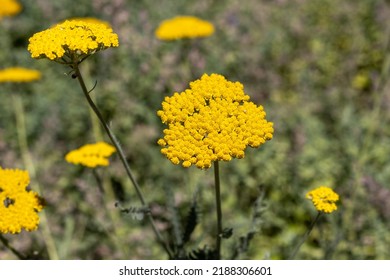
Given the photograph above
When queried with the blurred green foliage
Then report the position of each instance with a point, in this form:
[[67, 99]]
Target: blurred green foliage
[[319, 67]]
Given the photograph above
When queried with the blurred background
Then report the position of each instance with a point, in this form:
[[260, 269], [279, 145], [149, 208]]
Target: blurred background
[[320, 68]]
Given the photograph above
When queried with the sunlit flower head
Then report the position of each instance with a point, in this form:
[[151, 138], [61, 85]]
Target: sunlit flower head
[[19, 75], [182, 27], [9, 8], [213, 120], [91, 155], [71, 41], [19, 206], [324, 199], [90, 20]]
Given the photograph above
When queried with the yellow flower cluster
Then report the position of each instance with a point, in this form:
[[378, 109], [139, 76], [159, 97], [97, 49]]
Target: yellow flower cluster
[[19, 207], [213, 120], [71, 40], [181, 27], [90, 20], [324, 199], [19, 75], [9, 8], [91, 155]]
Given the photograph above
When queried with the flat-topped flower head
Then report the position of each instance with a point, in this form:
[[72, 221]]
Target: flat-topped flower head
[[91, 155], [72, 41], [324, 199], [19, 75], [213, 120], [90, 20], [182, 27], [9, 8], [19, 206]]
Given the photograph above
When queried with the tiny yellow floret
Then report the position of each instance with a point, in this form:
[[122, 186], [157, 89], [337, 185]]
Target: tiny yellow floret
[[19, 75], [324, 199], [9, 8], [181, 27], [91, 155], [212, 121], [19, 206], [71, 41]]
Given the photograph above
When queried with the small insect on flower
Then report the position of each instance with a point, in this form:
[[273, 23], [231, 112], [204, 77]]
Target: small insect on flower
[[72, 41], [19, 206]]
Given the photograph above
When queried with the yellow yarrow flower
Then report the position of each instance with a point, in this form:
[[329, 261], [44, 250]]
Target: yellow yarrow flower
[[19, 206], [181, 27], [90, 20], [71, 41], [324, 199], [19, 75], [9, 8], [91, 155], [212, 121]]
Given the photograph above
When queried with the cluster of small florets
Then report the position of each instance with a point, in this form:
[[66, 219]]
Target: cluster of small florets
[[19, 75], [324, 199], [91, 155], [71, 40], [90, 20], [19, 206], [182, 27], [212, 121]]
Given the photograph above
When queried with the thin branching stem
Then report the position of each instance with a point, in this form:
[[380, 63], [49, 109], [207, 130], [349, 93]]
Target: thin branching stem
[[12, 249], [121, 155], [219, 209], [292, 256]]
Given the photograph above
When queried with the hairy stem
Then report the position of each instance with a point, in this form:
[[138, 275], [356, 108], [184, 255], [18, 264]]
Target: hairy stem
[[292, 256], [12, 249], [121, 155], [28, 162], [219, 209]]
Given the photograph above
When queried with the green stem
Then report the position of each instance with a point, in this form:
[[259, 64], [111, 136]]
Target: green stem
[[12, 249], [121, 155], [219, 209], [28, 162], [292, 256], [98, 181]]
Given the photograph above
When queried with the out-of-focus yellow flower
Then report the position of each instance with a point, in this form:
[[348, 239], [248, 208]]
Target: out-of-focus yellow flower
[[19, 75], [91, 155], [361, 81], [72, 41], [9, 8], [324, 199], [19, 206], [181, 27], [213, 120]]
